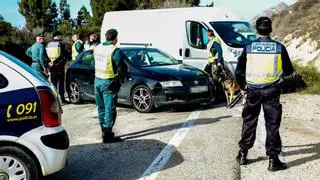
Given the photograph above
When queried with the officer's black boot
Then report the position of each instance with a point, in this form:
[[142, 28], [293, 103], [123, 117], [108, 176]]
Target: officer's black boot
[[242, 157], [275, 164], [108, 136]]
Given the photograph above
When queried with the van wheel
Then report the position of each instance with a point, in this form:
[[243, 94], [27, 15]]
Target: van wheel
[[17, 164], [142, 100], [75, 96]]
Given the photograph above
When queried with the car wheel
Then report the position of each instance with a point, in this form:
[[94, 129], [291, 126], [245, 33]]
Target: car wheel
[[142, 100], [74, 93], [17, 164]]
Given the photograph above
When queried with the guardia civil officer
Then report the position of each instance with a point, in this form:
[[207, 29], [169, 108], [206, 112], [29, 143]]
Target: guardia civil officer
[[259, 73], [40, 61], [110, 70]]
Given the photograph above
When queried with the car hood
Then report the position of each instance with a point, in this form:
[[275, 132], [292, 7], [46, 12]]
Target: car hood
[[176, 72]]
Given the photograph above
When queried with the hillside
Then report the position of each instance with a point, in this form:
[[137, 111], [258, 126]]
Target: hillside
[[298, 27], [271, 11]]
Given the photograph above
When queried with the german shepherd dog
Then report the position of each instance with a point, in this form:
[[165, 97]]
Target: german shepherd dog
[[229, 84]]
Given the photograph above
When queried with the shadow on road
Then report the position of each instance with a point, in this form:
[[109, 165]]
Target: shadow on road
[[126, 160], [312, 149], [170, 127]]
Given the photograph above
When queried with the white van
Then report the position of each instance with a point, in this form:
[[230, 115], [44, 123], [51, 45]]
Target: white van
[[181, 32]]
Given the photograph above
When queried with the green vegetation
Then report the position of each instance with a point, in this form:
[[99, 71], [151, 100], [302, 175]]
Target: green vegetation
[[310, 76], [301, 18]]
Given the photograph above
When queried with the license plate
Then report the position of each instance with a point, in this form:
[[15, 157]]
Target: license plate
[[199, 89]]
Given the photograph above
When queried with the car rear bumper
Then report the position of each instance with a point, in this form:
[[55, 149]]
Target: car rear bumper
[[49, 145]]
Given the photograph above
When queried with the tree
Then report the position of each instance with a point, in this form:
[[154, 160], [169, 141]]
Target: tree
[[51, 18], [100, 7], [83, 17], [35, 12], [64, 10]]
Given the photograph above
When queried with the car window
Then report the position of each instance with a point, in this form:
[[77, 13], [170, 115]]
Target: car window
[[3, 81], [235, 34], [87, 58], [149, 57], [197, 35]]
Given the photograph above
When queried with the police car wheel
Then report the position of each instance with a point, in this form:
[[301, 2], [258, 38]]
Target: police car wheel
[[17, 164], [141, 99], [74, 93]]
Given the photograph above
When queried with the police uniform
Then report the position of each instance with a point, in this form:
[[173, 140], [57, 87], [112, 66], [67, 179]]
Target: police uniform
[[77, 48], [88, 45], [109, 60], [57, 55], [214, 56], [39, 57], [260, 68]]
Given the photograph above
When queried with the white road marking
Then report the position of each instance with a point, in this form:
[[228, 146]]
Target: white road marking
[[161, 160]]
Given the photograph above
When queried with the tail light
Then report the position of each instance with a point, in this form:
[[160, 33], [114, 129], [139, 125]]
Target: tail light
[[51, 114]]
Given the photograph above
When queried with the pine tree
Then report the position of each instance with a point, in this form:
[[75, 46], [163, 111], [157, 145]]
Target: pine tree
[[64, 10], [51, 18], [83, 17], [34, 12]]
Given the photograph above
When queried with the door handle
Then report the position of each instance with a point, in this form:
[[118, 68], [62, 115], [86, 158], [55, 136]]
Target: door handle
[[187, 52], [180, 51]]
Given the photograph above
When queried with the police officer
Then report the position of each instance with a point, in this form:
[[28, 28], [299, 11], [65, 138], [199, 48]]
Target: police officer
[[57, 54], [215, 59], [92, 41], [77, 46], [259, 72], [39, 57], [109, 70]]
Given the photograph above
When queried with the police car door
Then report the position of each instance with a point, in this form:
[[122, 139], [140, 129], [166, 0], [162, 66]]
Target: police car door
[[20, 105], [194, 44]]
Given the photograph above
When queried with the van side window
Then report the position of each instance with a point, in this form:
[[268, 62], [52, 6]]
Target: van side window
[[3, 81], [197, 35]]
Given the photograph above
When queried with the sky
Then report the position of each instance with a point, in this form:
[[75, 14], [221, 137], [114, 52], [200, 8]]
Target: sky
[[246, 9]]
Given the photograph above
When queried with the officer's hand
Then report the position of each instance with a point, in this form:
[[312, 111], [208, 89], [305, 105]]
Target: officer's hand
[[50, 64]]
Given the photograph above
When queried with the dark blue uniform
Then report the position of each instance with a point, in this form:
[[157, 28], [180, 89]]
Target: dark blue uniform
[[266, 94]]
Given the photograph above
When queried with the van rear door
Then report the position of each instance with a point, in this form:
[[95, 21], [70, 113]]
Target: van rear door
[[194, 44]]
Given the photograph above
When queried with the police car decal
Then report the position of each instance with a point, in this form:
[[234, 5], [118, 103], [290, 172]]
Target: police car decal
[[19, 113]]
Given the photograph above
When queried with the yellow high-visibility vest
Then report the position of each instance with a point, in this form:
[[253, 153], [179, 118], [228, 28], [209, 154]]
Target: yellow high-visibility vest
[[74, 50], [103, 61], [53, 50], [88, 46], [264, 68], [211, 57]]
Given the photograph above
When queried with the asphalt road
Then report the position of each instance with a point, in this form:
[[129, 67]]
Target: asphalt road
[[189, 142]]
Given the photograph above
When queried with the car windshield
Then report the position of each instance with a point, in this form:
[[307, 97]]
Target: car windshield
[[149, 57], [235, 34]]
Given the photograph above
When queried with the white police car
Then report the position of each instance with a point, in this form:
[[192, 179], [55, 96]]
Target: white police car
[[33, 142]]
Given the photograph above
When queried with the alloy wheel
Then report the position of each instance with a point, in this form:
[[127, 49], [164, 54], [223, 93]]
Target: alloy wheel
[[11, 168]]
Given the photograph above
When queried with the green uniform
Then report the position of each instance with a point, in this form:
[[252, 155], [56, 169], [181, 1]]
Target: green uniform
[[39, 58], [108, 62], [77, 48]]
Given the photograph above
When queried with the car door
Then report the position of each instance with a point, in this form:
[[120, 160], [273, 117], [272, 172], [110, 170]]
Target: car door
[[86, 72], [194, 44]]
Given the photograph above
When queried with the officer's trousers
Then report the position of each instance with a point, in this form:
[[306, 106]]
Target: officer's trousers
[[269, 98], [37, 67], [106, 100]]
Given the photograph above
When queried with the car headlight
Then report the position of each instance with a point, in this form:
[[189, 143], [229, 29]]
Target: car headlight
[[171, 83]]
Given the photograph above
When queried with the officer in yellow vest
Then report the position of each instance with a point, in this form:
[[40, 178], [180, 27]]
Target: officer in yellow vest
[[215, 59], [259, 72], [92, 41], [110, 69], [77, 46], [57, 54]]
